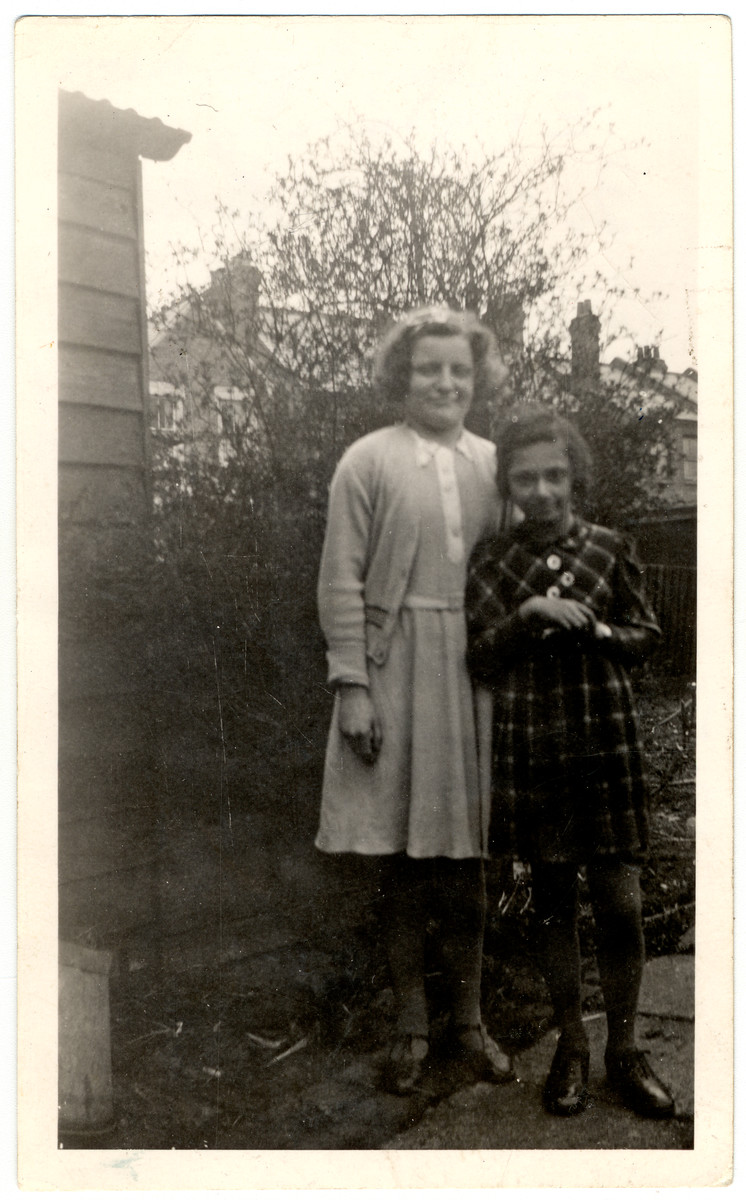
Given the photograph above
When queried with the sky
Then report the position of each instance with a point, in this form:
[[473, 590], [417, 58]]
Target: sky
[[252, 90]]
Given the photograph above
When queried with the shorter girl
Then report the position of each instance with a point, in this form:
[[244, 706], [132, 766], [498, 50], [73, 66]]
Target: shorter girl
[[556, 610]]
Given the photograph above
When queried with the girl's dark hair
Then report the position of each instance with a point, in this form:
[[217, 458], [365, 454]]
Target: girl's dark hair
[[393, 359], [542, 425]]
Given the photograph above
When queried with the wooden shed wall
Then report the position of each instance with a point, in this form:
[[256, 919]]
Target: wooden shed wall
[[106, 848]]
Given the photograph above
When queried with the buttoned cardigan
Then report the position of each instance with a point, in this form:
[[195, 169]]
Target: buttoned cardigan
[[370, 546]]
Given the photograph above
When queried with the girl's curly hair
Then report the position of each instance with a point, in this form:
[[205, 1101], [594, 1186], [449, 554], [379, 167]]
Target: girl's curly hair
[[393, 358]]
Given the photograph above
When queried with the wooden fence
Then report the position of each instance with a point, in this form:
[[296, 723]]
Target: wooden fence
[[672, 591]]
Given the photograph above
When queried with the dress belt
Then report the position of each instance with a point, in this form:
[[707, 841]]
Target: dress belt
[[453, 603]]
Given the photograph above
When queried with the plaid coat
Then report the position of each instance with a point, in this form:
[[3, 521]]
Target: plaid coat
[[568, 774]]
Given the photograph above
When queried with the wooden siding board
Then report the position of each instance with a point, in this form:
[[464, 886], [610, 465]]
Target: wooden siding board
[[93, 160], [145, 360], [100, 378], [101, 790], [97, 205], [98, 667], [110, 906], [91, 850], [100, 436], [102, 495], [97, 260], [90, 729], [91, 318]]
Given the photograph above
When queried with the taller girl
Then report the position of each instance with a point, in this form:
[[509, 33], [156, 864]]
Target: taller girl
[[407, 505]]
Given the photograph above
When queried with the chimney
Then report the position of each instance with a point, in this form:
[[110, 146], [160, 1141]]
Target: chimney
[[217, 277], [584, 337], [649, 360], [507, 319]]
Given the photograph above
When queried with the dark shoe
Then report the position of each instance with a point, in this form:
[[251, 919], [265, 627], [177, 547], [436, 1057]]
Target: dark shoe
[[405, 1065], [631, 1075], [566, 1088], [482, 1056]]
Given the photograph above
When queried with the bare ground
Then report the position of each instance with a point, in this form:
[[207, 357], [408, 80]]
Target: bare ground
[[242, 1056]]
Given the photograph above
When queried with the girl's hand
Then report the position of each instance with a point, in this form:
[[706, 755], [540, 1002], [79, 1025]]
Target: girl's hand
[[358, 722], [554, 612]]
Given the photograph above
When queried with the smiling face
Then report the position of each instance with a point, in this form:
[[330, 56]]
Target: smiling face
[[540, 483], [441, 385]]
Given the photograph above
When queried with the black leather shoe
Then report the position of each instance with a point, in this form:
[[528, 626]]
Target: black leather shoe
[[566, 1088], [406, 1062], [631, 1075], [480, 1054]]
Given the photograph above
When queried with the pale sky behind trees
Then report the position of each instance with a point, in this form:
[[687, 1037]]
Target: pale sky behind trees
[[253, 90]]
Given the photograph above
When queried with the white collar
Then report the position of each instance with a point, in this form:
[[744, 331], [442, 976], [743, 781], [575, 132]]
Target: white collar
[[426, 449]]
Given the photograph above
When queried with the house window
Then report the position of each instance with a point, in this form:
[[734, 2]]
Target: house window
[[168, 413], [689, 465], [167, 407], [232, 408]]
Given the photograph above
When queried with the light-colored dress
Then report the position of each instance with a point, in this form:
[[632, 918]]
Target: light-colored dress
[[422, 794]]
